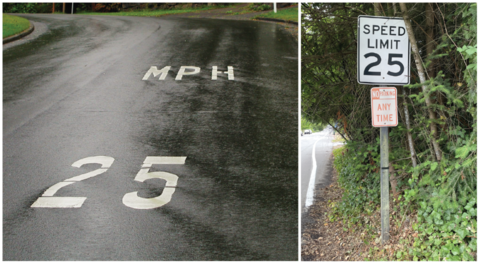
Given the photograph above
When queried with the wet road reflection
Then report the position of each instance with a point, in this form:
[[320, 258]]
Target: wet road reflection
[[236, 197]]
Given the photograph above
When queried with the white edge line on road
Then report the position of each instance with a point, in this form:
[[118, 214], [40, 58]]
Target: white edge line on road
[[311, 183]]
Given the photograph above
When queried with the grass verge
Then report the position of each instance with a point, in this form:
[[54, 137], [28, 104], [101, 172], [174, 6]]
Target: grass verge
[[154, 13], [13, 25], [289, 14]]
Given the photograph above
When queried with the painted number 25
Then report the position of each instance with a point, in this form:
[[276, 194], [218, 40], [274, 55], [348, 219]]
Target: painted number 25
[[132, 200]]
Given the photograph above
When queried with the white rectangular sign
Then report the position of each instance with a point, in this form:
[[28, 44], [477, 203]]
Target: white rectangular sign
[[384, 107], [383, 51]]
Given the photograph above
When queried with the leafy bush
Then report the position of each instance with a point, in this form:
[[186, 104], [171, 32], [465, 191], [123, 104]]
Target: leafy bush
[[315, 127], [44, 8], [259, 7], [438, 182], [19, 8], [110, 7], [357, 175], [446, 230]]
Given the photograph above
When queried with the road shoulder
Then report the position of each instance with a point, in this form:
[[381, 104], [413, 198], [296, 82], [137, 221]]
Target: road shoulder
[[318, 236]]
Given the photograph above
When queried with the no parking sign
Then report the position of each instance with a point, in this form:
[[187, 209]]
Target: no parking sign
[[384, 107]]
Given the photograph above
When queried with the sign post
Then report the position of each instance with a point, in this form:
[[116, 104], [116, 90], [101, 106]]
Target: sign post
[[384, 115], [383, 58]]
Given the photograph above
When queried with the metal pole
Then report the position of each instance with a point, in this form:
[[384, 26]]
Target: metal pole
[[384, 203], [275, 7], [72, 8]]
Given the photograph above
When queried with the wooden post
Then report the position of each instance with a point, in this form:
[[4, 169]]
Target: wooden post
[[53, 8], [384, 188], [63, 8]]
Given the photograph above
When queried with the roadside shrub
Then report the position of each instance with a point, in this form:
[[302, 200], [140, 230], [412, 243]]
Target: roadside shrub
[[259, 7], [107, 7], [446, 230], [44, 8], [358, 177], [19, 8]]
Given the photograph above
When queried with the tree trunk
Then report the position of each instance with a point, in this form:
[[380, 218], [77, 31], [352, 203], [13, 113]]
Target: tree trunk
[[409, 134], [421, 75], [429, 34], [378, 9]]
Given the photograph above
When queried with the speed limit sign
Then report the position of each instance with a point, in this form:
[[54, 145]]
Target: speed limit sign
[[383, 51]]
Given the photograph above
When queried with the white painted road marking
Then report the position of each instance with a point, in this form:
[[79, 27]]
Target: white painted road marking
[[182, 72], [48, 201], [153, 70], [54, 188], [87, 175], [132, 199], [163, 160], [311, 183], [229, 72], [59, 202], [194, 70]]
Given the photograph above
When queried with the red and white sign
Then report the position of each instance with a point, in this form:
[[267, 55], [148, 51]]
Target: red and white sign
[[384, 107]]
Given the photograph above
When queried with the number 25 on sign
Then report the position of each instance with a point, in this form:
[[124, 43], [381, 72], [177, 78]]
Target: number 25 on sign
[[384, 107]]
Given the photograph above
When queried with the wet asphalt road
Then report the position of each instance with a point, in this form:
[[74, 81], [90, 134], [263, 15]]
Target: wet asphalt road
[[77, 92]]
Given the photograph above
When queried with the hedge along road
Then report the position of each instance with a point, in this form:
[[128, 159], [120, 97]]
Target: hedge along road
[[103, 164]]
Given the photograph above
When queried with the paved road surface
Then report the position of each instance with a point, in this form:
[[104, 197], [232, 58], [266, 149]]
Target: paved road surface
[[316, 150], [82, 119]]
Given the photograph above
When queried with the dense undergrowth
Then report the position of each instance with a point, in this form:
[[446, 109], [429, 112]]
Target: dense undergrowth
[[445, 228], [432, 151]]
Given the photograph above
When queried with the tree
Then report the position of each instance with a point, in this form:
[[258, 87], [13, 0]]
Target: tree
[[434, 147]]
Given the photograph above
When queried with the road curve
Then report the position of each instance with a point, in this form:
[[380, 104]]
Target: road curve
[[79, 121]]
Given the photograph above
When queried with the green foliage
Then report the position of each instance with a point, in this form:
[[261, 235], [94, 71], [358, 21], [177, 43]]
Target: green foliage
[[446, 230], [315, 127], [107, 7], [288, 14], [81, 7], [19, 8], [44, 8], [259, 7], [441, 192], [154, 13], [356, 165]]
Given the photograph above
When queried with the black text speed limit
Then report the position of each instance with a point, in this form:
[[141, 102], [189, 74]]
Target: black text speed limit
[[383, 51]]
